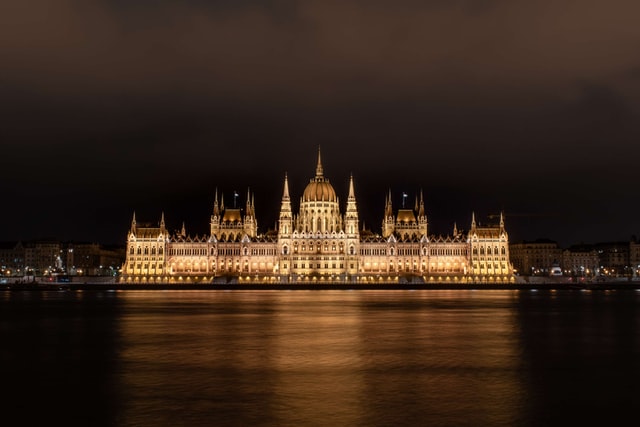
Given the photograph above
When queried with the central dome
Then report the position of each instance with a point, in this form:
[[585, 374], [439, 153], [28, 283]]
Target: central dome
[[319, 189]]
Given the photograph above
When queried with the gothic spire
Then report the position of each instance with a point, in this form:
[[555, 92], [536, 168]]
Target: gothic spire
[[216, 207], [162, 220], [388, 208], [285, 193], [319, 172], [352, 193], [133, 221]]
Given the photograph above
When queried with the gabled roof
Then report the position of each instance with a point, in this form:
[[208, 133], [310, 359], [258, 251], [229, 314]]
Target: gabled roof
[[148, 232], [405, 215], [231, 215]]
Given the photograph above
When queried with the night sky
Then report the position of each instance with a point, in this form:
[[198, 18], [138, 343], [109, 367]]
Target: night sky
[[526, 107]]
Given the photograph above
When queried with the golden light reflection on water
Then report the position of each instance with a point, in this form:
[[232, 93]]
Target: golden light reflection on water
[[320, 358]]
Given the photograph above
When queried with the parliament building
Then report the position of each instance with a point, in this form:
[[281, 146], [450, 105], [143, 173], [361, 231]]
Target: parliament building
[[319, 243]]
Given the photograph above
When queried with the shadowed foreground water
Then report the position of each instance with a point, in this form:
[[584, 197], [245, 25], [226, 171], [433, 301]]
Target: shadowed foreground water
[[307, 358]]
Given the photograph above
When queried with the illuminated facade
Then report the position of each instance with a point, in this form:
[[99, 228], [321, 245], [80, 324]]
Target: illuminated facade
[[319, 243]]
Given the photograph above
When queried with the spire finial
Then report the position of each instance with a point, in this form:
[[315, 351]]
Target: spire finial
[[216, 207], [162, 220], [285, 193], [319, 172], [352, 193]]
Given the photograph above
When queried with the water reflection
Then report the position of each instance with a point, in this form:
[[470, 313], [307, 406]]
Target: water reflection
[[305, 357]]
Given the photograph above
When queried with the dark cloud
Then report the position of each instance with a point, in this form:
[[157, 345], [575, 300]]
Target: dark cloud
[[516, 105]]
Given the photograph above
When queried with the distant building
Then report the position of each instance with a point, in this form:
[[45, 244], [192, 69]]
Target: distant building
[[580, 260], [93, 259], [317, 243], [634, 256], [614, 258], [535, 258], [42, 256], [11, 258], [49, 257]]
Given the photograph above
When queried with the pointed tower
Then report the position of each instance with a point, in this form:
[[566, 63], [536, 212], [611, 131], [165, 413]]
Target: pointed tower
[[351, 216], [285, 229], [351, 229], [215, 217], [216, 207], [388, 222], [162, 226], [250, 222], [133, 224], [247, 208], [422, 217], [285, 226]]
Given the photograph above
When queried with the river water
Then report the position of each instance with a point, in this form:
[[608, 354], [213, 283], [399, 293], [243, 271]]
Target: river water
[[320, 358]]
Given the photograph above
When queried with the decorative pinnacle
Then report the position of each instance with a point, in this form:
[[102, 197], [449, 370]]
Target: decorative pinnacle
[[319, 172], [285, 193]]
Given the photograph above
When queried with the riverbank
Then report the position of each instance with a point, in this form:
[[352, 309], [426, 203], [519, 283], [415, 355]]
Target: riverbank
[[627, 285]]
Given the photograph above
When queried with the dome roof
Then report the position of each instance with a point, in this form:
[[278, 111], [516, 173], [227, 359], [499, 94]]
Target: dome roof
[[319, 189]]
